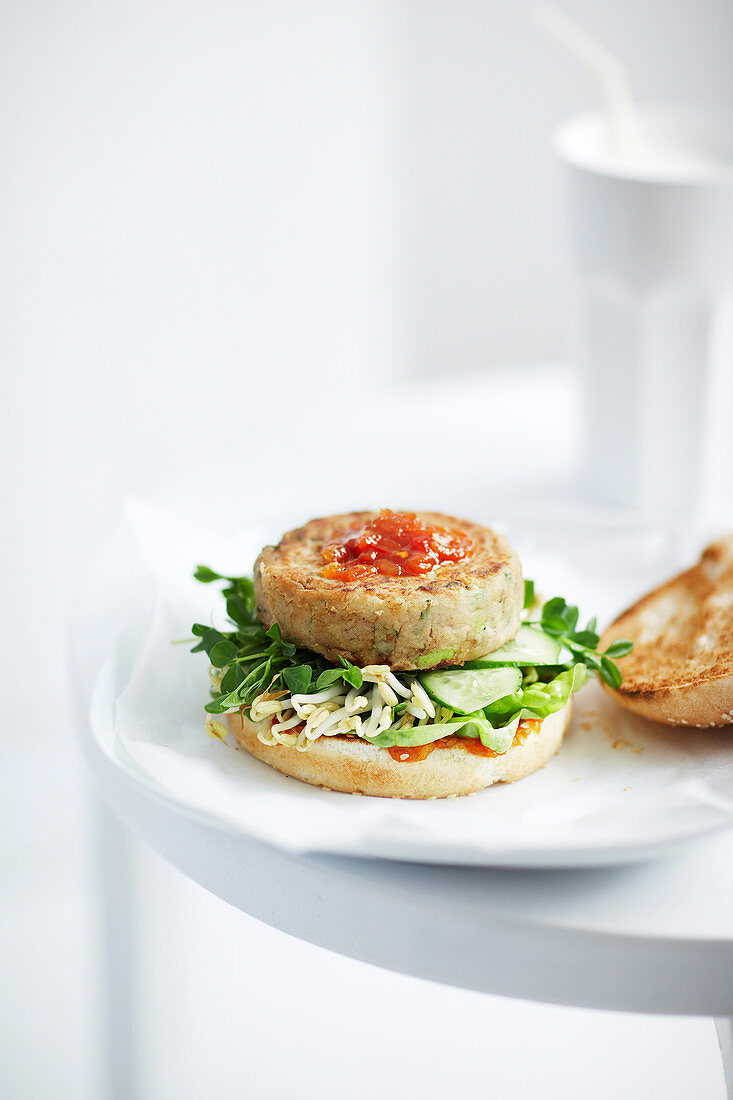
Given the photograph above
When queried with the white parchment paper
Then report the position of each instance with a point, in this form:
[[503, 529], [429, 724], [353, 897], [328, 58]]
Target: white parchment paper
[[620, 788]]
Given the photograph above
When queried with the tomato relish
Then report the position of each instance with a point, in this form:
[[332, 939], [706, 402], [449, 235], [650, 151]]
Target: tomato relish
[[392, 544], [411, 755]]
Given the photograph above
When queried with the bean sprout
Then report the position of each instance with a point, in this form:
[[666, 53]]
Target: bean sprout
[[367, 712]]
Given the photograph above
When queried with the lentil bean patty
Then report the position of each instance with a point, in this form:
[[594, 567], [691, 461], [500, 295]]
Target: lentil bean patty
[[457, 612]]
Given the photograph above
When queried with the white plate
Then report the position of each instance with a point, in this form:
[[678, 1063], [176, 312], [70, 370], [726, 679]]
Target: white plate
[[620, 789]]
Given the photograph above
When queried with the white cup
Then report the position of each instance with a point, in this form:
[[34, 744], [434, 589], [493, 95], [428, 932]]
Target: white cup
[[652, 241]]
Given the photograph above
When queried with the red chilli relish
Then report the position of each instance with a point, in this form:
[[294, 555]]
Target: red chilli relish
[[393, 544]]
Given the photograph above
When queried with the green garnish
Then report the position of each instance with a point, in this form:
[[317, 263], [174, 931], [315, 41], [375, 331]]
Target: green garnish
[[254, 658], [560, 619]]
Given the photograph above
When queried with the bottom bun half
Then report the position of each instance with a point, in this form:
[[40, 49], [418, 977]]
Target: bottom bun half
[[356, 767]]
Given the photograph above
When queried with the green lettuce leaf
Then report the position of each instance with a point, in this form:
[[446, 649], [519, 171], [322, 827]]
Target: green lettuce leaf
[[543, 699], [415, 735], [497, 738], [538, 700]]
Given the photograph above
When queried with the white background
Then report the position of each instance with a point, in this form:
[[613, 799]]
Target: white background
[[228, 230]]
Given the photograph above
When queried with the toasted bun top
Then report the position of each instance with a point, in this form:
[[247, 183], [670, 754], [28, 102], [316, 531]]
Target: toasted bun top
[[681, 668]]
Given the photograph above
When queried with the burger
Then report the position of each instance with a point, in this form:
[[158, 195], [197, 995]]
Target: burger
[[396, 654]]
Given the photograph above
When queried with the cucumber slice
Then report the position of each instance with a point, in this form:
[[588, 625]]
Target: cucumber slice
[[469, 690], [528, 647]]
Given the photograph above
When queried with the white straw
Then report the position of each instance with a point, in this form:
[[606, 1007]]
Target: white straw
[[623, 122]]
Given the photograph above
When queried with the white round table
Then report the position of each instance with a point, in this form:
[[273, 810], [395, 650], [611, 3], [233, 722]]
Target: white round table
[[654, 937]]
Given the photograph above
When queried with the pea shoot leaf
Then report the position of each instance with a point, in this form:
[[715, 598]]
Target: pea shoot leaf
[[328, 678], [351, 674], [560, 619], [232, 678], [222, 654], [253, 658], [206, 576], [298, 679]]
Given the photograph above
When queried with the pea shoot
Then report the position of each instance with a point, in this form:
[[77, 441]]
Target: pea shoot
[[560, 620], [254, 659]]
